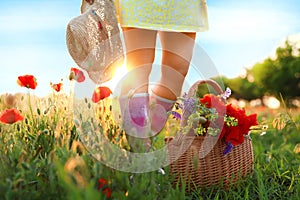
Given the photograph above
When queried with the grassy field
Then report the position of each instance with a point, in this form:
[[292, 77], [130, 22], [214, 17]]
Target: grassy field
[[42, 157]]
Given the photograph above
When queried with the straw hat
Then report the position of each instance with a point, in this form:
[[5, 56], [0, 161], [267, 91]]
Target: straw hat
[[94, 41]]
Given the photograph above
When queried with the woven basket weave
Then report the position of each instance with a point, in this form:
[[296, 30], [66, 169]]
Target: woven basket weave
[[199, 161]]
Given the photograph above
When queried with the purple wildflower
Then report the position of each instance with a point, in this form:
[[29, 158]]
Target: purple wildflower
[[228, 148], [226, 94], [189, 104], [176, 115]]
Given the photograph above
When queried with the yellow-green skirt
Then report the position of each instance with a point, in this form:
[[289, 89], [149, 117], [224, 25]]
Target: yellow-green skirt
[[163, 15]]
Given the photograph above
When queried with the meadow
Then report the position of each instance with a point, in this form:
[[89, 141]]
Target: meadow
[[43, 157]]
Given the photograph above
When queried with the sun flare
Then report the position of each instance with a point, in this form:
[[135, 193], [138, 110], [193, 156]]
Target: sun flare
[[120, 73]]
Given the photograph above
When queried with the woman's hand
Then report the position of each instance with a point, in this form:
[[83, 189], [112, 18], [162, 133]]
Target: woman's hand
[[90, 1]]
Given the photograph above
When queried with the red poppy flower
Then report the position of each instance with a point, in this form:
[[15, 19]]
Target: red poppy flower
[[103, 186], [102, 182], [57, 86], [212, 101], [28, 81], [77, 75], [100, 93], [107, 192], [235, 134], [10, 116]]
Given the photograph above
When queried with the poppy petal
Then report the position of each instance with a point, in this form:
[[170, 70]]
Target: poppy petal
[[101, 93], [107, 192], [77, 75], [10, 116], [80, 77], [28, 81], [57, 87], [102, 183]]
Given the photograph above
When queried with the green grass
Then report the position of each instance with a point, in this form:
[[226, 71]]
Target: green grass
[[42, 157]]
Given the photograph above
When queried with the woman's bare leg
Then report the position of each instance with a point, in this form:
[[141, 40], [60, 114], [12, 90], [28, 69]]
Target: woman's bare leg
[[140, 53], [177, 50]]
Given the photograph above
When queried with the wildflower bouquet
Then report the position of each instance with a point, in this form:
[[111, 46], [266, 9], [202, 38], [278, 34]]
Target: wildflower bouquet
[[212, 115], [210, 148]]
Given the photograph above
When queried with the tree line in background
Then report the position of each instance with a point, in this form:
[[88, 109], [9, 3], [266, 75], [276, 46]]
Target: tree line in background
[[278, 76]]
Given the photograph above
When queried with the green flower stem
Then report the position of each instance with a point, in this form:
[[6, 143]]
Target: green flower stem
[[30, 108]]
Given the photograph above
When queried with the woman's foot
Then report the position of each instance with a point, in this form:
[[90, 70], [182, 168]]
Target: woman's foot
[[159, 112]]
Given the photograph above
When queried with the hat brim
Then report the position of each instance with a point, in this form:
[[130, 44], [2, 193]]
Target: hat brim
[[94, 49]]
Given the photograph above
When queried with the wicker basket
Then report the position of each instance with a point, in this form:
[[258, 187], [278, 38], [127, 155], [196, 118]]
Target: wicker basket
[[199, 161]]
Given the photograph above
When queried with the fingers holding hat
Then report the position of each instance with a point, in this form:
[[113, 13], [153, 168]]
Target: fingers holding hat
[[90, 1], [85, 4]]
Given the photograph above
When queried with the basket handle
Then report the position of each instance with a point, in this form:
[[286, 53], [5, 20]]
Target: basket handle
[[190, 94], [212, 83]]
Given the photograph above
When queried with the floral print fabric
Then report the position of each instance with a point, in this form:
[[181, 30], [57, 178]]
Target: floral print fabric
[[163, 15]]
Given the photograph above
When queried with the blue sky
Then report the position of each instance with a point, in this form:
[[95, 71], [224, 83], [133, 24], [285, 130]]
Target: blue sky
[[32, 37]]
